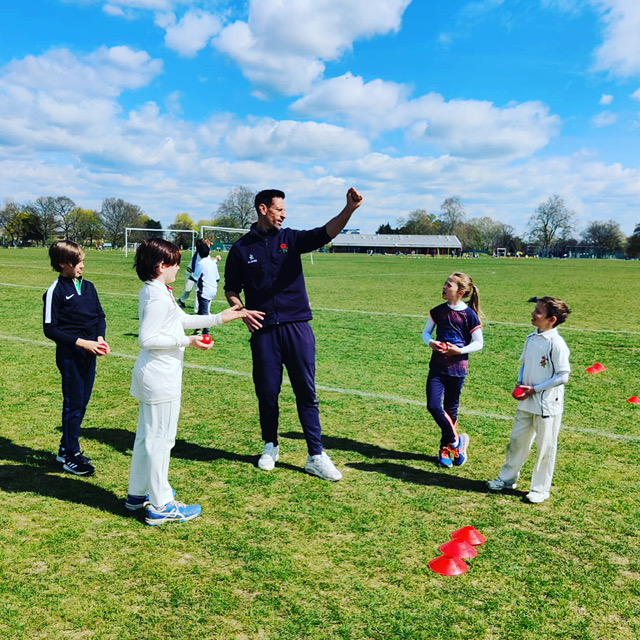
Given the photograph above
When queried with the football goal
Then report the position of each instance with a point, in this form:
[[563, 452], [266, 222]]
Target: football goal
[[221, 237], [133, 236]]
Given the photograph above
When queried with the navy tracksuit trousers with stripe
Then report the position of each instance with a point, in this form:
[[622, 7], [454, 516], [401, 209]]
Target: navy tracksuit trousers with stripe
[[293, 345], [78, 370]]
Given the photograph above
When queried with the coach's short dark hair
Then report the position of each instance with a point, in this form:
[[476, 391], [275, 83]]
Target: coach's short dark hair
[[151, 254], [266, 197], [555, 307], [65, 252]]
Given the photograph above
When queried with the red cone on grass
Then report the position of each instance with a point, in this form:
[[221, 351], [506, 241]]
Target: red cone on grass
[[457, 548], [634, 399], [598, 366], [591, 370], [447, 566], [469, 534]]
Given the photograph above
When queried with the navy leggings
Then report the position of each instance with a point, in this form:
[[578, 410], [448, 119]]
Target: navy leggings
[[443, 400], [78, 370], [294, 346]]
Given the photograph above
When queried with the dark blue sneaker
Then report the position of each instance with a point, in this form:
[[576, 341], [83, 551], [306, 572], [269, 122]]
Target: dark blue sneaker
[[78, 464], [137, 503], [172, 512], [444, 456], [459, 452]]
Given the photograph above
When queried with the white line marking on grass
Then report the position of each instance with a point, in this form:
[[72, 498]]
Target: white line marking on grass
[[353, 392]]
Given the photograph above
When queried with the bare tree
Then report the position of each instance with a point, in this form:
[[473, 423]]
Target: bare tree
[[552, 220], [66, 212], [238, 206], [46, 216], [117, 215], [453, 214]]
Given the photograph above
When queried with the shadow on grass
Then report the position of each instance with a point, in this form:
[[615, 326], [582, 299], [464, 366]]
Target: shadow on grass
[[428, 478], [364, 448], [122, 440], [37, 472]]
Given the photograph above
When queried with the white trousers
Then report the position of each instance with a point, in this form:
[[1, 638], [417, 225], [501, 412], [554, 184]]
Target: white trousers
[[155, 437], [527, 428], [188, 287]]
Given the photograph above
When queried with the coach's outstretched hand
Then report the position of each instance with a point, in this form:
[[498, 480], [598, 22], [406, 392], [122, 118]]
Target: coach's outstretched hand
[[238, 311]]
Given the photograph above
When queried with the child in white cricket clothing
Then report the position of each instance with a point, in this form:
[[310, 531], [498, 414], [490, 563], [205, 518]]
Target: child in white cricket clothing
[[544, 372], [157, 381]]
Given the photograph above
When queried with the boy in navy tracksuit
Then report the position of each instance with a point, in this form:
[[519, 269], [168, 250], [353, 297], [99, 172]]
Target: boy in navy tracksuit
[[266, 264], [75, 321]]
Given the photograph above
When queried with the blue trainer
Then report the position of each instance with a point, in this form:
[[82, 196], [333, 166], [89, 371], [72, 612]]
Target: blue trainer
[[444, 457], [460, 450], [172, 512]]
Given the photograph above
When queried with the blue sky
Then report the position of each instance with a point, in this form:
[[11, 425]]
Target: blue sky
[[169, 104]]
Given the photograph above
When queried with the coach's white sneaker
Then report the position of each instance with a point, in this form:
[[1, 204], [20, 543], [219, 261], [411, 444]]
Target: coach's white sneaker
[[269, 457], [537, 496], [320, 465]]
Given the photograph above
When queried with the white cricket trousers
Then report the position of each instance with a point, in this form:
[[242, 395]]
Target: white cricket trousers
[[527, 428], [155, 437]]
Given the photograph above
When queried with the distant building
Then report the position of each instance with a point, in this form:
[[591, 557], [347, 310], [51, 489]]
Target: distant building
[[395, 243]]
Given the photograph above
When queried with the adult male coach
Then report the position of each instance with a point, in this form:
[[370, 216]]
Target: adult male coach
[[266, 264]]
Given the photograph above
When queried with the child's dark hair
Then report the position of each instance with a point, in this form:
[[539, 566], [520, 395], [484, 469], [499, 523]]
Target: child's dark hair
[[266, 197], [555, 307], [202, 248], [65, 252], [151, 254]]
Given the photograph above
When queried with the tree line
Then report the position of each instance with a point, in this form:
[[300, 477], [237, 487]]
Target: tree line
[[551, 231], [51, 217], [551, 228]]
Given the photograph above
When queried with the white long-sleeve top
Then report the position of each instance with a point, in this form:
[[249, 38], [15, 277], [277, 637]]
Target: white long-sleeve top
[[157, 374]]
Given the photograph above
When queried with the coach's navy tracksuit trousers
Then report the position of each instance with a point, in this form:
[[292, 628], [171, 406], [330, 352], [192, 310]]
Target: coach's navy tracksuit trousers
[[293, 345]]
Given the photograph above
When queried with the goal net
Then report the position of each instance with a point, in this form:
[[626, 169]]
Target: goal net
[[221, 237], [184, 238]]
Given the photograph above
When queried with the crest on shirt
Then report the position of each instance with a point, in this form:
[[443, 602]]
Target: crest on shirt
[[251, 259], [544, 361], [283, 248]]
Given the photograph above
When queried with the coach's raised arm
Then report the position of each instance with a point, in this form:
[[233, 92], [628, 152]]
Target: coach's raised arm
[[337, 224]]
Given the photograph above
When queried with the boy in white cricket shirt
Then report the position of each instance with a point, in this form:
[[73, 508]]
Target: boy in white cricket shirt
[[543, 374]]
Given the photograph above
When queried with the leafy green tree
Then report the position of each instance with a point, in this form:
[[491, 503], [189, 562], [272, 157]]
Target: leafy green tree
[[88, 225], [633, 243], [419, 222], [183, 221]]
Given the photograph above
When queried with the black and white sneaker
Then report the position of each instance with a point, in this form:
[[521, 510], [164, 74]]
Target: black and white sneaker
[[62, 455], [78, 464]]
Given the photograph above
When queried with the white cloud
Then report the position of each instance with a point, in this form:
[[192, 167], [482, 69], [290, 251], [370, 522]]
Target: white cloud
[[606, 98], [282, 46], [192, 33], [636, 95], [604, 119], [620, 51], [471, 128], [268, 138]]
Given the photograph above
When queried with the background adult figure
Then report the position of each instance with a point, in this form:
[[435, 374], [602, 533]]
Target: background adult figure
[[266, 264]]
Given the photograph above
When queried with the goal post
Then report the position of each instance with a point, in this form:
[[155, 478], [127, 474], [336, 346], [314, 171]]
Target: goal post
[[133, 236]]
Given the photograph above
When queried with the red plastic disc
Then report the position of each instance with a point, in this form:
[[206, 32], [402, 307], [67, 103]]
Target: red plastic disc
[[634, 399], [448, 566], [457, 548], [469, 534]]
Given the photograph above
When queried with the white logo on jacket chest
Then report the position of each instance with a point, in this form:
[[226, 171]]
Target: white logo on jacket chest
[[251, 259]]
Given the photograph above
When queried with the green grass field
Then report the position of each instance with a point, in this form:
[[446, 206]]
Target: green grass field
[[283, 555]]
